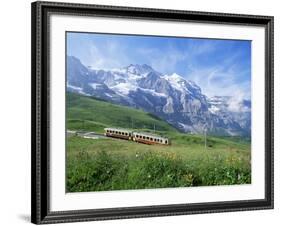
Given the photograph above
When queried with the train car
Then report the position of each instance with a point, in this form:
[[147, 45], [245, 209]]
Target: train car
[[150, 138], [118, 133]]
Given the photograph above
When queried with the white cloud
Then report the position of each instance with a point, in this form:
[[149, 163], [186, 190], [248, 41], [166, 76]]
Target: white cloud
[[223, 79], [163, 61], [235, 103], [107, 56], [216, 82]]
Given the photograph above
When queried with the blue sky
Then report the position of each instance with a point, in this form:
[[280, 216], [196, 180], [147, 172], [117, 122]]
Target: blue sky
[[219, 67]]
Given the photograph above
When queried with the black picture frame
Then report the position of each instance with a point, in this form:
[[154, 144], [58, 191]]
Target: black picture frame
[[40, 211]]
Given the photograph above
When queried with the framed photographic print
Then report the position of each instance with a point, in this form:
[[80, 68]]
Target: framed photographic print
[[141, 112]]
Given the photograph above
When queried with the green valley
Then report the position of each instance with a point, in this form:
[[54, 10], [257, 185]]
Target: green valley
[[113, 164]]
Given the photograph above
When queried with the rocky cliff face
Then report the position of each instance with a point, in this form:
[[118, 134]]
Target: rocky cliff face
[[171, 97]]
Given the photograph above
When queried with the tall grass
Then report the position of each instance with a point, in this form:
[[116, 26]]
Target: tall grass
[[102, 171], [112, 164]]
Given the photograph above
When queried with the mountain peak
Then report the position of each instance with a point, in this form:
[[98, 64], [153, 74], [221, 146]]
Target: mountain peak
[[172, 97], [176, 77], [139, 69], [182, 84]]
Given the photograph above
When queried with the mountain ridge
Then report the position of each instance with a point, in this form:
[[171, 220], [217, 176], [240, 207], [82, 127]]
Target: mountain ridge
[[174, 99]]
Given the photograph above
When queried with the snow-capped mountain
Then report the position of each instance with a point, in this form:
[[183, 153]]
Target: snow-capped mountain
[[171, 97]]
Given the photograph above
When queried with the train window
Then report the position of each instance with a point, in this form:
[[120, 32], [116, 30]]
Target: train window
[[166, 142], [137, 136]]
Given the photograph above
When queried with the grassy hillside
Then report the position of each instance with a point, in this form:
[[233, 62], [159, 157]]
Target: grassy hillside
[[112, 164], [91, 114]]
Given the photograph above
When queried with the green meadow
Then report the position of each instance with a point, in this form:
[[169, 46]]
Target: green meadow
[[112, 164]]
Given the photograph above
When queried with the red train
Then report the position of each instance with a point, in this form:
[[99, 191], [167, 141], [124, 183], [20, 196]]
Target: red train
[[139, 137]]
